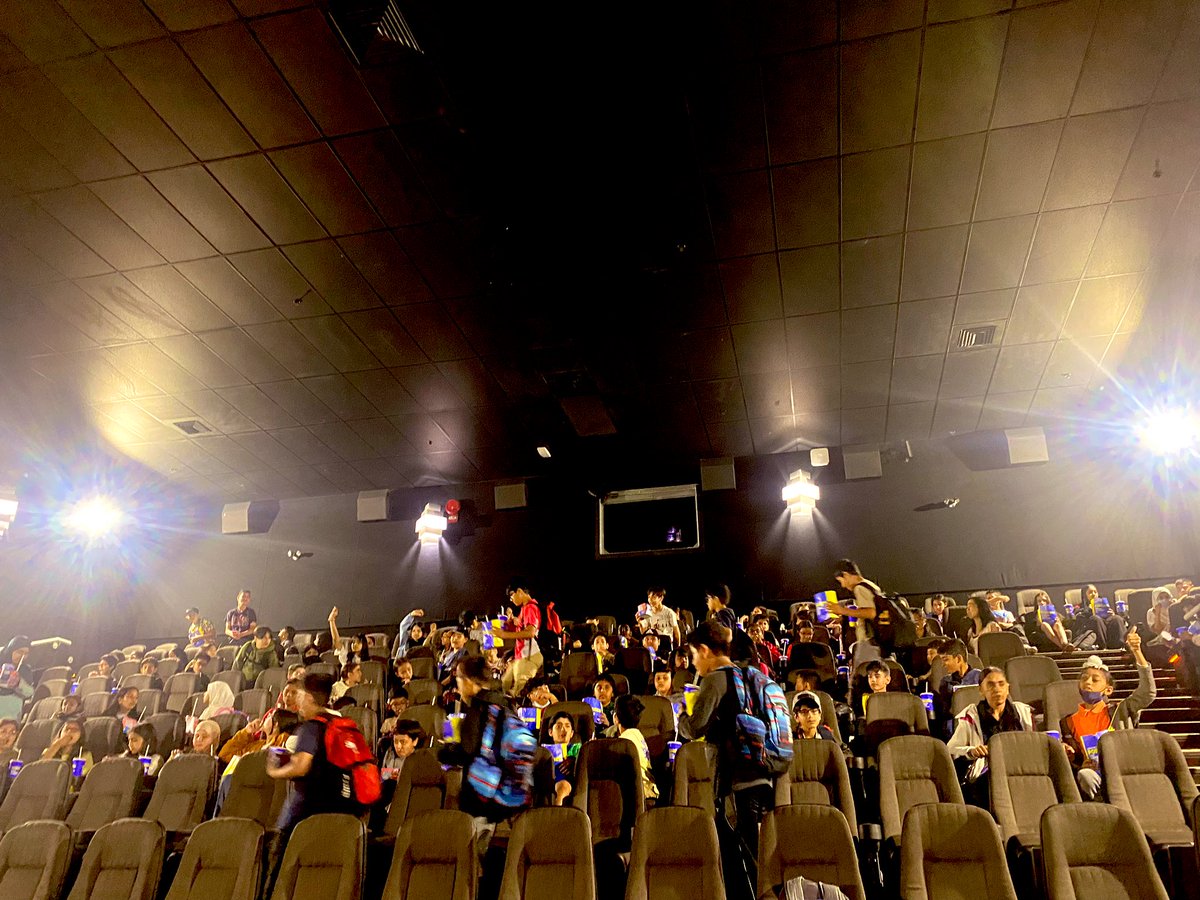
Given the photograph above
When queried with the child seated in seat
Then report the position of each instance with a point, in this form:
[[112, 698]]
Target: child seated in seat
[[806, 719], [1098, 713], [879, 678]]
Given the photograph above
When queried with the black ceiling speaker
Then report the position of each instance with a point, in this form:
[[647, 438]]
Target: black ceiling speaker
[[374, 31]]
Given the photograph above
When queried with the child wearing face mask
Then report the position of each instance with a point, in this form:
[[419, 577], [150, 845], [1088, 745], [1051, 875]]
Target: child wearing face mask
[[1098, 713]]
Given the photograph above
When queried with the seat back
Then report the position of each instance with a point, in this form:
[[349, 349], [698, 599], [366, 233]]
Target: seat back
[[168, 666], [675, 856], [33, 860], [324, 860], [913, 769], [1028, 675], [230, 723], [369, 695], [222, 859], [253, 794], [657, 719], [420, 788], [94, 704], [94, 684], [227, 654], [549, 855], [367, 721], [1059, 699], [890, 714], [109, 792], [430, 717], [125, 667], [424, 668], [581, 716], [35, 737], [1097, 850], [135, 680], [964, 696], [608, 787], [233, 677], [38, 792], [1027, 600], [55, 673], [579, 669], [998, 648], [1029, 773], [272, 680], [952, 852], [1146, 774], [810, 840], [373, 672], [695, 774], [123, 862], [254, 702], [183, 791], [818, 775], [46, 708], [102, 736], [171, 731], [421, 690], [149, 703], [434, 857], [178, 688]]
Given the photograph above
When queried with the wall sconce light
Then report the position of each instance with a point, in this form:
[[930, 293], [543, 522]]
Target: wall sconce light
[[431, 524], [800, 494]]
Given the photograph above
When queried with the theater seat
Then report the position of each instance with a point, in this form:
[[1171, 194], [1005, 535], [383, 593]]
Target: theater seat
[[170, 729], [252, 793], [1146, 775], [657, 719], [695, 772], [123, 862], [809, 840], [1029, 773], [109, 792], [39, 792], [420, 788], [913, 769], [434, 857], [323, 860], [33, 860], [953, 852], [1028, 676], [254, 702], [675, 856], [35, 737], [430, 718], [818, 774], [889, 715], [222, 861], [1059, 699], [367, 721], [608, 787], [182, 793], [578, 671], [581, 716], [1092, 850], [998, 648], [549, 856], [423, 690]]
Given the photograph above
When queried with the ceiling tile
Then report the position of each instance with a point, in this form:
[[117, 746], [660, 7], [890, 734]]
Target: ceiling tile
[[720, 401], [782, 31], [440, 251], [874, 192], [1074, 362], [1004, 410], [153, 218], [31, 226], [386, 267], [924, 327], [341, 396], [385, 439], [1042, 62], [434, 331], [466, 429], [333, 275], [709, 354], [299, 402], [730, 438], [166, 409], [382, 473], [1166, 152], [813, 390], [429, 388], [864, 426], [473, 380], [879, 89], [179, 15], [760, 347], [1090, 158], [806, 206], [956, 416], [808, 82], [1039, 312], [241, 73], [819, 428], [740, 207], [959, 71], [383, 170], [1100, 305], [1130, 231], [164, 75], [286, 344], [272, 275], [65, 300], [151, 363], [950, 10], [933, 262], [910, 421], [226, 450], [27, 166], [384, 391], [967, 374], [305, 445], [422, 432], [235, 347], [752, 288], [996, 253], [814, 340], [196, 194], [1128, 47], [22, 267], [1055, 403], [987, 306], [1020, 368], [257, 406], [866, 384], [337, 342], [1016, 169], [385, 337], [198, 360], [267, 449], [810, 279], [310, 481], [225, 286], [945, 176], [124, 300], [99, 227], [179, 298], [324, 184], [868, 333], [42, 31], [1178, 78], [726, 109], [916, 378], [317, 68], [864, 18], [871, 271], [110, 103], [268, 199], [1062, 244]]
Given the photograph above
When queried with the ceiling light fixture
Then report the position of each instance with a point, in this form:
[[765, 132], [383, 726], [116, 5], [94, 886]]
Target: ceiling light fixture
[[431, 525], [800, 494], [94, 517], [1170, 431], [544, 452], [8, 509]]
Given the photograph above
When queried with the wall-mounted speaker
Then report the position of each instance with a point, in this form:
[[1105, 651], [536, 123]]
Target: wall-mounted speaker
[[373, 505], [717, 475], [862, 464], [1026, 445], [249, 517], [511, 496]]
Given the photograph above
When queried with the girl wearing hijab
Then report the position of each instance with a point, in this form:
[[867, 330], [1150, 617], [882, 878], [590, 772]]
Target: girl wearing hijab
[[15, 687], [218, 699], [207, 739]]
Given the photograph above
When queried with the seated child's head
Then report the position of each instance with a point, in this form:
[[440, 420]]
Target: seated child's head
[[1095, 681], [807, 680], [603, 689], [806, 713], [407, 737], [879, 676], [662, 682]]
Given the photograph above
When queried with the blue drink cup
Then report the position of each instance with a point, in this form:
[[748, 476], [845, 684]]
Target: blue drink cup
[[672, 749], [278, 757], [74, 688], [529, 715], [927, 699], [1091, 746], [1057, 735], [14, 768], [77, 765], [843, 671], [146, 762], [452, 728]]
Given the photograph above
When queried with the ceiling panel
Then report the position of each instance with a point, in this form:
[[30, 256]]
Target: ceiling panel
[[157, 222], [196, 194]]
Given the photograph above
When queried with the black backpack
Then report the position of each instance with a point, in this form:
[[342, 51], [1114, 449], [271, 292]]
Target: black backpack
[[893, 627]]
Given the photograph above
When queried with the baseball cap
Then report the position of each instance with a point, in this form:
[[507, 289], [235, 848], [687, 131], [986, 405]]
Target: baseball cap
[[806, 700]]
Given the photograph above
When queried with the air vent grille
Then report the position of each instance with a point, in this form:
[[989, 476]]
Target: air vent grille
[[192, 427], [976, 336]]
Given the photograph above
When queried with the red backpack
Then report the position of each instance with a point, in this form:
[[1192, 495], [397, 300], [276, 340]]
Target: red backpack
[[347, 751]]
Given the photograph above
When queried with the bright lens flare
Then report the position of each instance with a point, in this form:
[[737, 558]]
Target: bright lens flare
[[94, 518], [1170, 431]]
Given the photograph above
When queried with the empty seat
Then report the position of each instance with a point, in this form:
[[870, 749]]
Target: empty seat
[[125, 667], [1059, 699], [272, 680], [608, 787], [953, 852], [102, 736], [222, 860], [168, 666], [434, 857], [94, 684], [46, 708], [657, 719], [38, 792], [695, 773], [366, 720], [109, 792], [429, 717], [33, 860], [368, 695], [818, 774], [123, 862], [913, 769], [323, 860], [227, 654], [578, 671], [424, 667], [581, 716], [94, 705], [675, 856], [1028, 676], [182, 793], [809, 840], [55, 673], [1145, 774], [35, 737], [234, 678], [420, 788], [549, 856], [1092, 850], [55, 687], [170, 729], [135, 680], [1029, 773], [178, 688], [373, 672], [149, 703], [891, 714], [254, 702], [420, 690], [252, 793], [998, 648]]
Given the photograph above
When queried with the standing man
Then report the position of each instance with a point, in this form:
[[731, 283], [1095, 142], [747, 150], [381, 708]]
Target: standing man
[[658, 618], [199, 629], [241, 621], [850, 577], [527, 658]]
